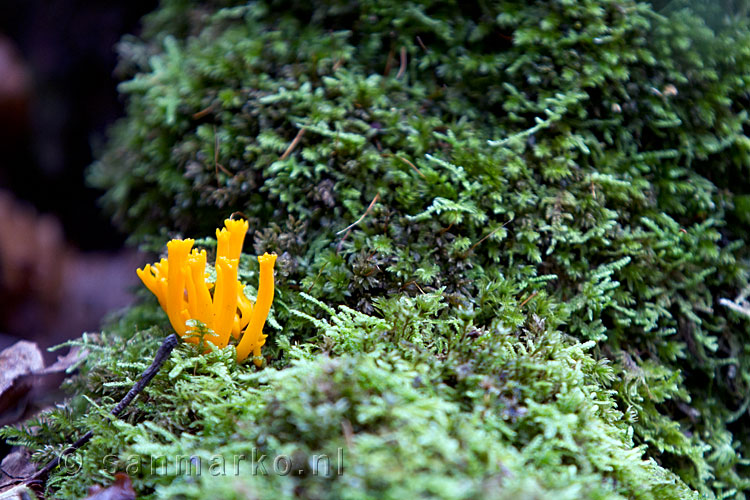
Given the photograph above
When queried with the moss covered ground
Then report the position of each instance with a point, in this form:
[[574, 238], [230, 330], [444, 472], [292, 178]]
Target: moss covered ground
[[504, 229]]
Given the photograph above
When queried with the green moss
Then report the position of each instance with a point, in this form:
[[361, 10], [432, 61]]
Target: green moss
[[414, 405], [584, 163]]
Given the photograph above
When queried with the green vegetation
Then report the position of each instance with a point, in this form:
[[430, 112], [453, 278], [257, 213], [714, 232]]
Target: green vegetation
[[550, 199]]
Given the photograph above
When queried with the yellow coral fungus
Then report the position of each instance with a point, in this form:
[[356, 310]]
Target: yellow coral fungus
[[179, 282], [253, 338]]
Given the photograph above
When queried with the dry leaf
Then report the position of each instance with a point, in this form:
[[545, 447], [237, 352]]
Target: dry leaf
[[20, 492], [16, 464], [25, 384], [22, 358], [121, 489]]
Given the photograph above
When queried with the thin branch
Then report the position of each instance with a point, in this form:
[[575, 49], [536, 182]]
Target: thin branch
[[349, 228], [293, 144], [316, 277], [161, 356], [413, 282], [203, 112], [369, 207], [445, 229], [528, 299], [402, 68], [472, 247], [407, 162]]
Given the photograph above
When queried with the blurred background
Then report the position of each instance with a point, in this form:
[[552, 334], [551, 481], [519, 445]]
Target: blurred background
[[62, 264]]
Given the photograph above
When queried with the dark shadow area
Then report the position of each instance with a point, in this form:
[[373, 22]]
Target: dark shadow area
[[62, 265]]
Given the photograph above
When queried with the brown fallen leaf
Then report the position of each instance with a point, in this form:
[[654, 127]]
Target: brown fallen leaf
[[121, 489], [63, 364], [16, 464], [20, 492], [26, 386], [22, 358]]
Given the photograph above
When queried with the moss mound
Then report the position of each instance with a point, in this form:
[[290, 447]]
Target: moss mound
[[504, 229]]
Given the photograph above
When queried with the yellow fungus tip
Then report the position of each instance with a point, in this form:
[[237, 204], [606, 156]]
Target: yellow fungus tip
[[179, 282]]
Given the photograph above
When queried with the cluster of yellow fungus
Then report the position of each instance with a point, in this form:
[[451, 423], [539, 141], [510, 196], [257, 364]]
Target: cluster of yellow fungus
[[179, 282]]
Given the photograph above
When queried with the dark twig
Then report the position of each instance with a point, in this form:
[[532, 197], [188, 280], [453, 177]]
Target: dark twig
[[161, 356]]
